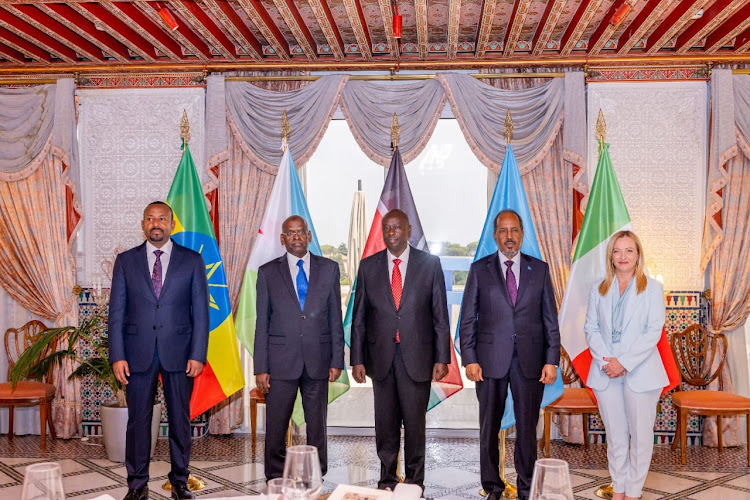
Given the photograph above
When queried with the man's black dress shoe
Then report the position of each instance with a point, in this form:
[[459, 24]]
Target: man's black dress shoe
[[137, 494], [180, 491], [495, 495]]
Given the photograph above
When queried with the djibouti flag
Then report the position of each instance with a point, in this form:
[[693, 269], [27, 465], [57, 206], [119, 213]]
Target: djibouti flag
[[222, 374], [287, 199]]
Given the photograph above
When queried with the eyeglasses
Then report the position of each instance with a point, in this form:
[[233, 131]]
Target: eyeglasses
[[291, 234]]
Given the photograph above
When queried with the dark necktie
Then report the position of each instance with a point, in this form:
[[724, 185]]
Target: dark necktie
[[156, 278], [301, 283], [510, 281], [396, 288]]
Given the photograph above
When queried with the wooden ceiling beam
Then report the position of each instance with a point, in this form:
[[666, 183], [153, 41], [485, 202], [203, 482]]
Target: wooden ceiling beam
[[75, 21], [359, 26], [328, 24], [546, 26], [682, 13], [262, 20], [712, 17], [742, 42], [23, 46], [604, 31], [729, 29], [578, 25], [513, 31], [484, 29], [147, 14], [297, 26], [387, 15], [420, 14], [11, 54], [194, 14], [23, 29], [454, 24], [40, 20], [649, 14], [232, 22]]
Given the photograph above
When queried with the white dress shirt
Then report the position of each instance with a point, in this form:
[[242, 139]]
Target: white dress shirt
[[164, 259], [515, 267], [294, 269], [401, 267]]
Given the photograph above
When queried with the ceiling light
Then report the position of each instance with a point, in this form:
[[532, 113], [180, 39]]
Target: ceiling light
[[167, 17], [397, 21], [622, 11], [698, 14]]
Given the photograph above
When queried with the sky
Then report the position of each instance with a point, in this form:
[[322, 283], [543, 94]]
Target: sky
[[448, 182]]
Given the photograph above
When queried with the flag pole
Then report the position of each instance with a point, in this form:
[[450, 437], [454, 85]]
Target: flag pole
[[284, 143], [607, 491], [194, 483]]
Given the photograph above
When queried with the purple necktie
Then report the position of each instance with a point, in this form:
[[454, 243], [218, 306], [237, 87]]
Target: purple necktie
[[156, 275], [510, 280]]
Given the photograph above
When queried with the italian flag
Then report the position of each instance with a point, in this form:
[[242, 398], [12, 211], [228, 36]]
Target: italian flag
[[606, 214], [287, 199], [222, 375]]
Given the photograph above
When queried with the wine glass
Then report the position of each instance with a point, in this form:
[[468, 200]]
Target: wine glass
[[275, 488], [302, 467], [551, 480], [43, 482]]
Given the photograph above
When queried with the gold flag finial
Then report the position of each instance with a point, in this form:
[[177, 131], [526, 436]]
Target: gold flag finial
[[284, 129], [395, 131], [601, 130], [508, 127], [184, 127]]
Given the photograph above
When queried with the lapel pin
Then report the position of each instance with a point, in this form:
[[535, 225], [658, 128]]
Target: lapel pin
[[529, 268]]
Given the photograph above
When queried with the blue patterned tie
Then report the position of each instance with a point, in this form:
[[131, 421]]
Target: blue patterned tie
[[156, 278], [301, 283]]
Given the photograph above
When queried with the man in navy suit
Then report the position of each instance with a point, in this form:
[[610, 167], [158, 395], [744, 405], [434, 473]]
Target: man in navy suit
[[509, 336], [158, 325], [299, 341], [401, 339]]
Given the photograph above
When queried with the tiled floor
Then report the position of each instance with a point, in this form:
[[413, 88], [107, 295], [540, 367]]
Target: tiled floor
[[231, 467]]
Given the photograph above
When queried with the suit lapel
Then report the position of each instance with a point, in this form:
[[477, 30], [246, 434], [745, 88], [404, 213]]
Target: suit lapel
[[313, 283], [414, 271], [286, 277], [493, 267], [142, 260], [383, 277], [175, 260], [525, 272]]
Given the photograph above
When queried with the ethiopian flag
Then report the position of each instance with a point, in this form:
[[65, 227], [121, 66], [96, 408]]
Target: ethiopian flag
[[287, 199], [222, 375], [606, 214]]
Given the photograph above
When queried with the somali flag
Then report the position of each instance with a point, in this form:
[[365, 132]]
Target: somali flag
[[222, 375], [509, 193], [287, 199]]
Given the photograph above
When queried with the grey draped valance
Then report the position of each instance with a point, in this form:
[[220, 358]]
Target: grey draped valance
[[481, 109], [31, 121], [369, 109], [255, 114]]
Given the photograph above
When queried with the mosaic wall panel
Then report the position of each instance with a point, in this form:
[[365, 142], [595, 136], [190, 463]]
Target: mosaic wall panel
[[684, 308], [94, 393]]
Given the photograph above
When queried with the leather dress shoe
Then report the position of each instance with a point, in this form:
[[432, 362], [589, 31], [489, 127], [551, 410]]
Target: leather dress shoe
[[137, 494], [495, 495], [180, 491]]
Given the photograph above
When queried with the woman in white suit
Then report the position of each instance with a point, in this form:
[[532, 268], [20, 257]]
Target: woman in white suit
[[624, 322]]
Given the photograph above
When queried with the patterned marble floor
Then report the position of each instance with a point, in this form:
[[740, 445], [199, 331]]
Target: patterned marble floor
[[231, 467]]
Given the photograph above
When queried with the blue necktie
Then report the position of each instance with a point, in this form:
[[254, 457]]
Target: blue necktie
[[301, 283]]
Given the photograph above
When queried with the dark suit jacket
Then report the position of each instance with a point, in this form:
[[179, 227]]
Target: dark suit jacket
[[422, 319], [489, 320], [288, 338], [177, 324]]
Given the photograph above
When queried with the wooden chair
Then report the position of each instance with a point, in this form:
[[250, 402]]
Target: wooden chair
[[701, 357], [27, 392], [574, 401], [257, 397]]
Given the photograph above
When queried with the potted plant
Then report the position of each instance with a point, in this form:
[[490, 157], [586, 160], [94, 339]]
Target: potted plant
[[114, 415]]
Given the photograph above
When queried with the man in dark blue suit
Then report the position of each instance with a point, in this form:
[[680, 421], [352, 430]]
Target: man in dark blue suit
[[158, 324], [299, 341], [509, 336]]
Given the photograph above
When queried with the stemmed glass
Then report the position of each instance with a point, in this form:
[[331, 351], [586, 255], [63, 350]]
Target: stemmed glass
[[302, 467], [43, 482], [551, 480]]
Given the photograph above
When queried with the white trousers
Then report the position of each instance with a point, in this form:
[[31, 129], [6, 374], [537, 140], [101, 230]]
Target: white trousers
[[629, 421]]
